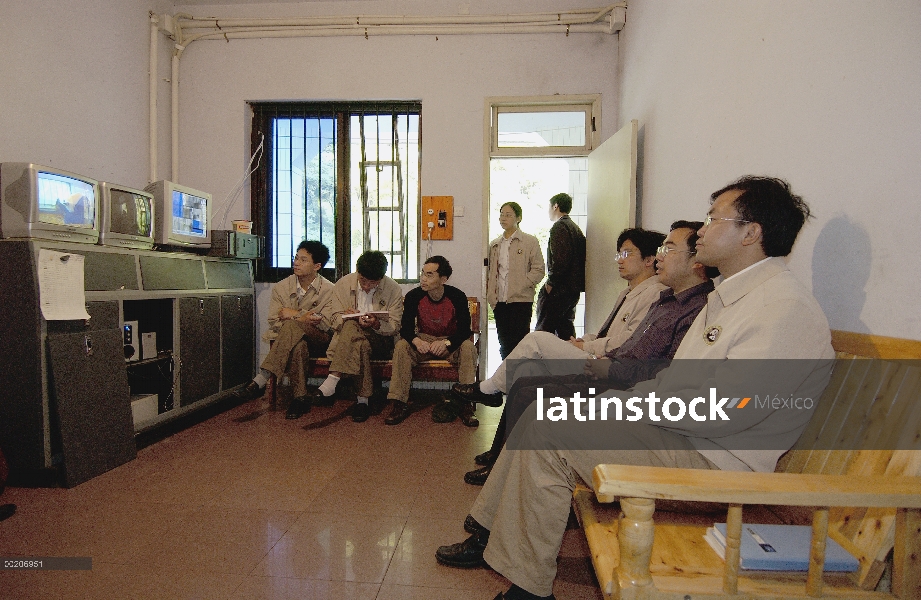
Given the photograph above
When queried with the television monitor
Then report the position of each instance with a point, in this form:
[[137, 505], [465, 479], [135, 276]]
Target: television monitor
[[127, 217], [38, 202], [182, 215]]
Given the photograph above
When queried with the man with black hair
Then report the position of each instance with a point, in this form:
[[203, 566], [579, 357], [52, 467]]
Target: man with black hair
[[360, 335], [556, 302], [436, 324], [637, 265], [298, 328], [758, 311], [640, 357]]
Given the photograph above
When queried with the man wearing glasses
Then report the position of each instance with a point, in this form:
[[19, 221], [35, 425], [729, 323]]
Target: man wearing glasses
[[636, 262], [435, 324], [758, 311], [297, 326], [686, 283]]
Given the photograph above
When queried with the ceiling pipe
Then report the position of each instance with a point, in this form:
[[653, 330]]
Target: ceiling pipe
[[152, 172], [567, 17], [288, 32], [184, 29]]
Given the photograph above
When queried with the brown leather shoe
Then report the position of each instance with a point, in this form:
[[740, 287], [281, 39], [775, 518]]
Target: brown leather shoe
[[398, 413]]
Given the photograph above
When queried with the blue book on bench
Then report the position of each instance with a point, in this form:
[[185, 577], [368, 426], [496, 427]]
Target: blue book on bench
[[782, 548]]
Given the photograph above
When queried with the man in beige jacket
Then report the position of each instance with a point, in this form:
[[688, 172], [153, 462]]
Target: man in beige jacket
[[758, 311], [360, 334]]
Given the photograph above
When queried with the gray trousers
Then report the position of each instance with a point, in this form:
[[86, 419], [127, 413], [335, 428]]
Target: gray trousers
[[525, 502]]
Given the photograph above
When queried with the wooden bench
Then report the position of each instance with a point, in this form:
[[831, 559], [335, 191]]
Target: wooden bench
[[869, 501], [431, 370]]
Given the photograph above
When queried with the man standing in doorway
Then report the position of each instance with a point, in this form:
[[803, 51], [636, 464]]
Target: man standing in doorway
[[556, 302]]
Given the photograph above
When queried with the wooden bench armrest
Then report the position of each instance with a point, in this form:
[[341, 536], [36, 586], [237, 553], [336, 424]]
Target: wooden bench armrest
[[788, 489]]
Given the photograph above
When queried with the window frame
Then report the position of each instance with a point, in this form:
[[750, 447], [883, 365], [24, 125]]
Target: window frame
[[589, 104], [263, 113]]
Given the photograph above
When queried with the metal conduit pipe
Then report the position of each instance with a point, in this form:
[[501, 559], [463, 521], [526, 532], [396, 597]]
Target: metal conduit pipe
[[188, 29], [384, 30], [590, 15], [152, 173], [174, 105]]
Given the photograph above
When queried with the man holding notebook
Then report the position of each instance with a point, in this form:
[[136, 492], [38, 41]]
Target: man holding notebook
[[362, 331]]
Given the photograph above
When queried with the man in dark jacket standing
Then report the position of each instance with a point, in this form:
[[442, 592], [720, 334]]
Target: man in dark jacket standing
[[556, 302]]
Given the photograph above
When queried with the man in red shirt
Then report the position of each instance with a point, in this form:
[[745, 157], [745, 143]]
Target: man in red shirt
[[435, 324]]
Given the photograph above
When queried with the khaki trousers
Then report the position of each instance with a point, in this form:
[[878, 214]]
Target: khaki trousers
[[352, 350], [296, 343], [405, 357], [525, 502]]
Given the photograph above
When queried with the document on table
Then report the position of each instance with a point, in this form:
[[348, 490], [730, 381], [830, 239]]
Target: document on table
[[60, 286]]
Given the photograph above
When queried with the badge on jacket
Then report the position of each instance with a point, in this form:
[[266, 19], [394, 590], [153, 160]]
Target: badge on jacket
[[712, 334]]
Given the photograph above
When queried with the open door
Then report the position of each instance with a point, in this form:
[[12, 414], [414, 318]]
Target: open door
[[611, 209]]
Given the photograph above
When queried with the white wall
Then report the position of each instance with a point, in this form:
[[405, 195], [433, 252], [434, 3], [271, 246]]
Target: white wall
[[74, 91], [451, 76], [826, 94]]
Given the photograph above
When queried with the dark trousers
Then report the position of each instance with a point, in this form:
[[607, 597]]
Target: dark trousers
[[513, 322], [556, 312]]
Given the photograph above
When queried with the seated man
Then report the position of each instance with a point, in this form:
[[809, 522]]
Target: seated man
[[636, 262], [652, 344], [759, 311], [358, 340], [436, 324], [297, 327]]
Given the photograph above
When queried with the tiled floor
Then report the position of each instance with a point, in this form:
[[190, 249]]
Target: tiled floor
[[249, 505]]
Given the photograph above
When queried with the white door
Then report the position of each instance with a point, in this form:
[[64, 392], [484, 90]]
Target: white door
[[611, 209]]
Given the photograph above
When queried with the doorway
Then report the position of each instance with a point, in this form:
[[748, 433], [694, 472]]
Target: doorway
[[531, 182]]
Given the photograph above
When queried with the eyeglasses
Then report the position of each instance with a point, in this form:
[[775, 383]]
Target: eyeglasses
[[300, 259], [664, 250], [709, 220], [623, 254]]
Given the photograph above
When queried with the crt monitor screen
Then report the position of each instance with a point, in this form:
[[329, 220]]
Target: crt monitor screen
[[190, 215], [130, 214], [65, 201]]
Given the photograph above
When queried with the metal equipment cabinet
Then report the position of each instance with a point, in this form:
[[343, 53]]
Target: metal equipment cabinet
[[200, 307]]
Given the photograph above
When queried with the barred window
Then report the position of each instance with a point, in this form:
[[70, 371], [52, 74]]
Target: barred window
[[346, 174]]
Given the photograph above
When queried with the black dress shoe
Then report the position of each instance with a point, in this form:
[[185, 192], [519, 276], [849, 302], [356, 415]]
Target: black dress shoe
[[298, 407], [467, 415], [465, 555], [478, 476], [470, 392], [472, 526], [360, 413], [318, 399], [487, 459], [250, 391], [398, 413], [516, 593]]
